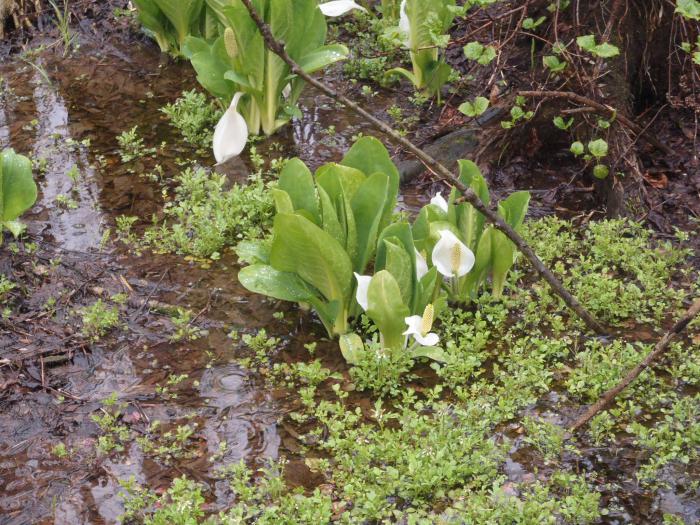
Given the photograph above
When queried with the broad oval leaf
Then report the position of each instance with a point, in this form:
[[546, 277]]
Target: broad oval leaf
[[352, 348], [17, 188], [386, 309], [265, 280], [301, 247], [297, 181]]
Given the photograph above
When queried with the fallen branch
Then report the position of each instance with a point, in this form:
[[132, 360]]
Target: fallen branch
[[605, 110], [439, 170], [659, 349]]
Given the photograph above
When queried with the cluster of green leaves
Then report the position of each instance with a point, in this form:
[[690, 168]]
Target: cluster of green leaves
[[690, 9], [194, 116], [206, 215], [423, 27], [495, 254], [326, 227], [170, 22], [18, 191], [238, 60], [623, 276], [131, 145], [264, 501], [98, 319]]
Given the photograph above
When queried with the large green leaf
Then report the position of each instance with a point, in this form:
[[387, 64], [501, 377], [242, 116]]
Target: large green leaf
[[482, 264], [339, 180], [386, 309], [427, 291], [367, 207], [400, 264], [322, 57], [431, 352], [298, 182], [370, 156], [265, 280], [470, 221], [329, 218], [514, 208], [182, 14], [210, 66], [301, 247], [502, 256], [18, 191], [283, 203], [399, 234]]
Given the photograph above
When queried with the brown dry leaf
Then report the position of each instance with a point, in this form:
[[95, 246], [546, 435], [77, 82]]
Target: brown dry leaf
[[656, 180]]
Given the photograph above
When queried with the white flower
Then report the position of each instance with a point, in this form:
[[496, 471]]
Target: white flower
[[339, 7], [362, 288], [404, 23], [421, 265], [287, 91], [439, 201], [451, 257], [419, 327], [231, 133]]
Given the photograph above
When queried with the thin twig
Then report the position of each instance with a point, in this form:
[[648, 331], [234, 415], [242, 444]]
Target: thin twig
[[659, 349], [440, 171], [605, 109]]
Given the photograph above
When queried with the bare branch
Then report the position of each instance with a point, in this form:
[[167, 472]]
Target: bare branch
[[659, 349]]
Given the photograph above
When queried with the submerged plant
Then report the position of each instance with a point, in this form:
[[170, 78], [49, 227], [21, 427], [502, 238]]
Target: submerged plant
[[423, 25], [257, 85], [17, 190]]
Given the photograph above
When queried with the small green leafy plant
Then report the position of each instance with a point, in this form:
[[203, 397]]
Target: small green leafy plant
[[423, 25], [17, 190]]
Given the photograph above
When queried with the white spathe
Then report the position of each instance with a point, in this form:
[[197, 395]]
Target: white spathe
[[421, 265], [451, 256], [231, 133], [439, 201], [339, 7], [404, 22], [415, 328], [362, 288]]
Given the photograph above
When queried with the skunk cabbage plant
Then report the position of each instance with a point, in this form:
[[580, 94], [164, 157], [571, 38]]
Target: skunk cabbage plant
[[239, 62], [401, 292], [17, 190], [463, 249], [423, 25], [326, 228], [170, 22]]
